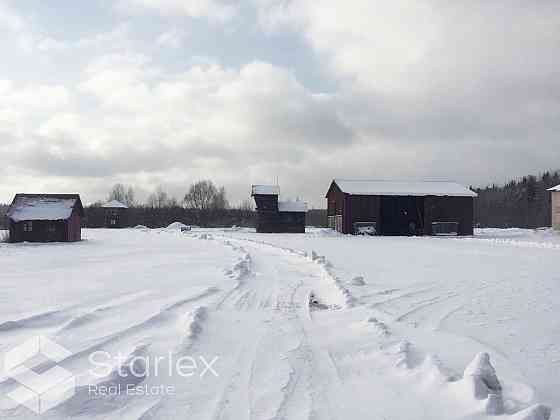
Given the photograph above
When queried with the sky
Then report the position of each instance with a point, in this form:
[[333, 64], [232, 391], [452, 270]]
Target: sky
[[168, 92]]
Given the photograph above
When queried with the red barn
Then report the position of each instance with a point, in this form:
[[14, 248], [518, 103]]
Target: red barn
[[45, 218], [400, 207]]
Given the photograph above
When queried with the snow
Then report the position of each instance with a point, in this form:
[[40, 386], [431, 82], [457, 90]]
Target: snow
[[320, 325], [266, 190], [114, 204], [556, 188], [177, 226], [41, 208], [292, 206], [412, 188]]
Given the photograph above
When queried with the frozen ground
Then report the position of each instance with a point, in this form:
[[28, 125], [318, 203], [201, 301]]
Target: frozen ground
[[392, 324]]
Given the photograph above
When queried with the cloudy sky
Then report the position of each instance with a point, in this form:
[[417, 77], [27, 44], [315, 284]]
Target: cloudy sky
[[166, 92]]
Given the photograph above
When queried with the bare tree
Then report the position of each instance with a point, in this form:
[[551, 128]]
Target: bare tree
[[118, 193], [123, 194], [246, 205], [130, 197], [203, 195], [159, 199]]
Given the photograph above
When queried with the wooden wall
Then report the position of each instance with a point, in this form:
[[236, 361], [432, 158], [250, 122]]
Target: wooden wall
[[115, 217], [74, 228], [41, 231], [280, 222], [363, 208], [449, 209], [48, 230], [556, 209]]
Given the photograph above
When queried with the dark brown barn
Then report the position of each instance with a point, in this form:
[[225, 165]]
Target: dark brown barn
[[115, 214], [400, 207], [45, 218], [275, 216]]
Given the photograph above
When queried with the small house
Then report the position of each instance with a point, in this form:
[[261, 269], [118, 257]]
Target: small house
[[400, 207], [274, 216], [115, 214], [45, 218], [555, 206]]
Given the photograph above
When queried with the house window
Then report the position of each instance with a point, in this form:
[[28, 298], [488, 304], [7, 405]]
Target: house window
[[28, 226]]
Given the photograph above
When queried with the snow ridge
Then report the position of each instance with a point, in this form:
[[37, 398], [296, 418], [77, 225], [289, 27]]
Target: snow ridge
[[241, 270], [195, 321], [326, 267]]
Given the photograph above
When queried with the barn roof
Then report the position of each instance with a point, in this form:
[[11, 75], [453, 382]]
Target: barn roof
[[414, 188], [292, 206], [265, 190], [115, 204], [557, 188], [44, 207]]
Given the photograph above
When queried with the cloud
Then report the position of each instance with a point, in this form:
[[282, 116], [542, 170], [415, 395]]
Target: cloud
[[466, 77], [171, 39], [207, 120], [214, 10], [463, 90], [411, 47], [14, 30], [118, 38]]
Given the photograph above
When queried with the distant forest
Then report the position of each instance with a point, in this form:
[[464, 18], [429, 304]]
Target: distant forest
[[523, 202]]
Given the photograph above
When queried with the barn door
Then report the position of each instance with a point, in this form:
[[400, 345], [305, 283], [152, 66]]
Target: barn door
[[338, 223]]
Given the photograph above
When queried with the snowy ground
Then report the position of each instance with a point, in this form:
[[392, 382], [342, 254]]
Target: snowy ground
[[392, 325]]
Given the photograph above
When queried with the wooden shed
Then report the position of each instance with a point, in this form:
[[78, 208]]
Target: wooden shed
[[45, 218], [555, 206], [115, 214], [400, 207], [274, 216]]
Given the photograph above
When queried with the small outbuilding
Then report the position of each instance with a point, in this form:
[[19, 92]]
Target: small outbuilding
[[400, 207], [45, 218], [115, 214], [274, 216], [555, 206]]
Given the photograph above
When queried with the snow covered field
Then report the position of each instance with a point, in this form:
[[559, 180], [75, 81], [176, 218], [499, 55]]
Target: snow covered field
[[310, 326]]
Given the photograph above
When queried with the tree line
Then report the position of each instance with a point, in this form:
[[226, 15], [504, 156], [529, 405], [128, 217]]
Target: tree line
[[204, 204], [202, 195], [523, 202]]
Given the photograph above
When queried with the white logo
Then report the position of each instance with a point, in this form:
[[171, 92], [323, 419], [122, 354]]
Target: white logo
[[39, 391]]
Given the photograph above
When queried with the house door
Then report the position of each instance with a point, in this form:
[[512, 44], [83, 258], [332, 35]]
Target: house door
[[55, 232]]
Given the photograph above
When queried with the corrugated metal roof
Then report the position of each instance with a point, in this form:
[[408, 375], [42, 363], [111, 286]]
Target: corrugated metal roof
[[292, 206], [114, 204], [266, 190], [403, 188], [42, 207]]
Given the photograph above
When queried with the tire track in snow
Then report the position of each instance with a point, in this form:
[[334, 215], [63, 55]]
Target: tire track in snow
[[298, 390]]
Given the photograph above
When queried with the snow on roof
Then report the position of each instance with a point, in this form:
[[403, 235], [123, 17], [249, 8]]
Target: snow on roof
[[292, 206], [557, 188], [42, 207], [414, 188], [114, 204], [266, 190]]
